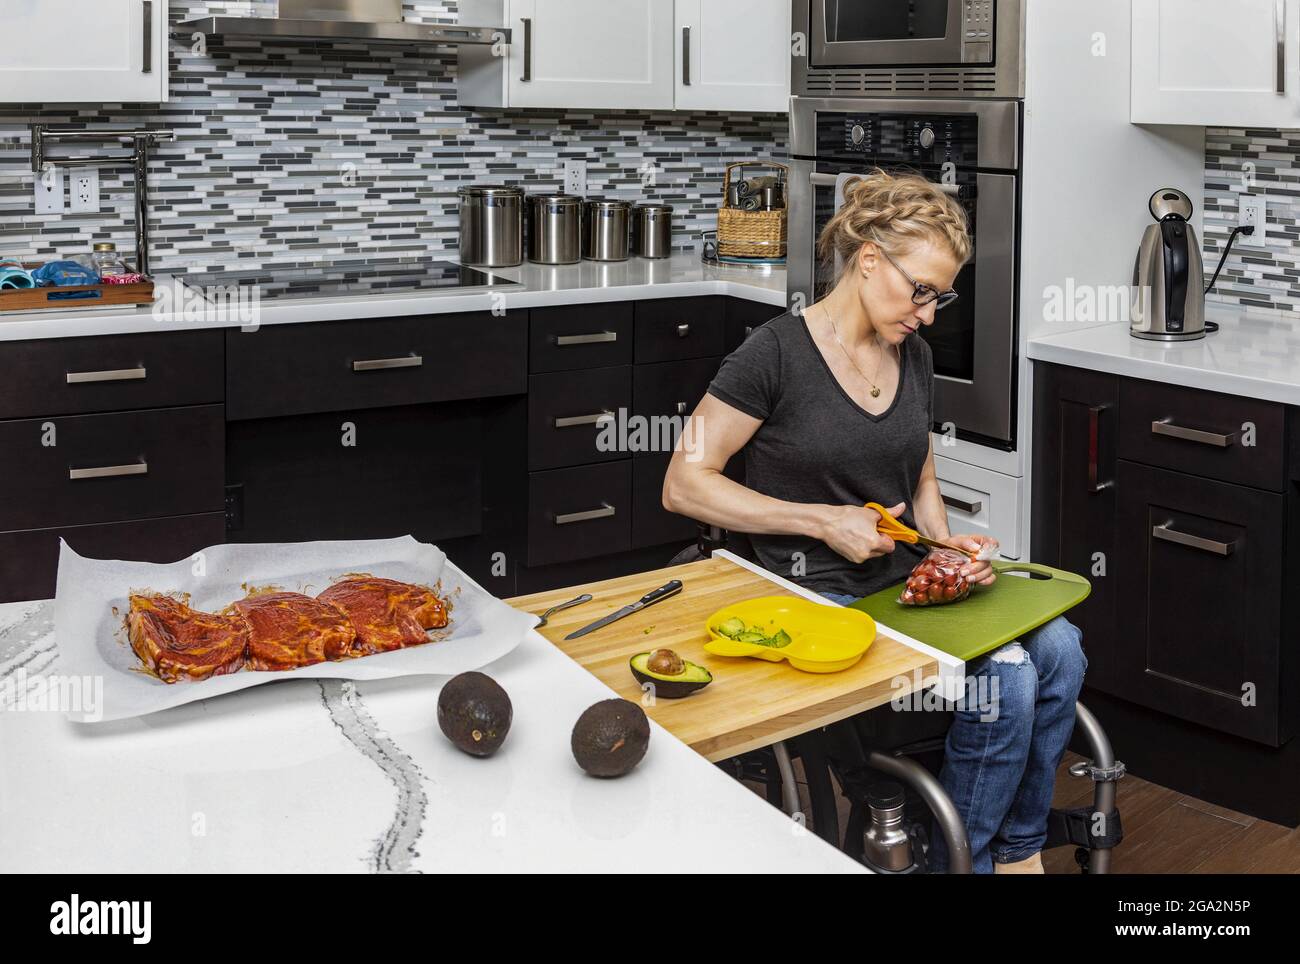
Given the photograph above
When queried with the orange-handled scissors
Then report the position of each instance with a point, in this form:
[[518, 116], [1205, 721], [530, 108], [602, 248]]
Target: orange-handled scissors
[[889, 526]]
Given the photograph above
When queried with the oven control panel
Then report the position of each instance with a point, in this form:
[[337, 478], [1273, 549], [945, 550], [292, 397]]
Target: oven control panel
[[917, 139]]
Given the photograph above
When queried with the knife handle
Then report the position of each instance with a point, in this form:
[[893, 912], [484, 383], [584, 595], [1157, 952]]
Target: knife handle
[[663, 592]]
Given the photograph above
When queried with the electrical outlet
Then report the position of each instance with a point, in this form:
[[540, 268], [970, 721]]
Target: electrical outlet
[[48, 190], [1252, 210], [84, 189], [575, 177]]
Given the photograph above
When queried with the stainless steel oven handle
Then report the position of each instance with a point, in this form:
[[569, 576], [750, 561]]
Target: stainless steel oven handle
[[382, 364], [109, 471], [1167, 534], [604, 512], [828, 180], [115, 375]]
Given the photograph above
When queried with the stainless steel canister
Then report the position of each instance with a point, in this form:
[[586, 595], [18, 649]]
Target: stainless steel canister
[[652, 230], [554, 228], [491, 226], [605, 230]]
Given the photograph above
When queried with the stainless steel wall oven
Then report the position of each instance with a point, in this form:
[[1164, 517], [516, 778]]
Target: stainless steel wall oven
[[970, 147]]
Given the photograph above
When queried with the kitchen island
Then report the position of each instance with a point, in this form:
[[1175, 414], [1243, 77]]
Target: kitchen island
[[326, 775]]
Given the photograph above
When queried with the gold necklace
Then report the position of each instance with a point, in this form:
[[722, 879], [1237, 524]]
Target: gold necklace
[[875, 389]]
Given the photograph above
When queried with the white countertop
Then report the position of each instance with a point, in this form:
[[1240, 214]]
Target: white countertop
[[681, 275], [1255, 354], [328, 775]]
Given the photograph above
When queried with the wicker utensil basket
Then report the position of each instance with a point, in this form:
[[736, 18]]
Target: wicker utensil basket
[[751, 234]]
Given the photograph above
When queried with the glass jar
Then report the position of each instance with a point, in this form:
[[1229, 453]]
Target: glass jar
[[107, 261]]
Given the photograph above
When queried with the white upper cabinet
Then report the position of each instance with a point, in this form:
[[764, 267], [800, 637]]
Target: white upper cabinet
[[83, 51], [1216, 64], [733, 54], [629, 54]]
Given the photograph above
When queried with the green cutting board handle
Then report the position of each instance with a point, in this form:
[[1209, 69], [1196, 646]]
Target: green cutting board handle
[[1038, 569]]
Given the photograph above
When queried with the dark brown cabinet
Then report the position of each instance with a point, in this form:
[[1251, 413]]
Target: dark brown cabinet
[[1193, 500], [1201, 598], [1076, 427]]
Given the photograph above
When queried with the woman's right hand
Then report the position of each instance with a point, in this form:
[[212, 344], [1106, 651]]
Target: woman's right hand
[[851, 531]]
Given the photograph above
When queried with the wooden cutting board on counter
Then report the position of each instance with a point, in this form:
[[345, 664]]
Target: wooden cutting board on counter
[[751, 703]]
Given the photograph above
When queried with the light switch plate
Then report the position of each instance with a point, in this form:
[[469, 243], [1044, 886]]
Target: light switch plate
[[84, 191], [47, 188]]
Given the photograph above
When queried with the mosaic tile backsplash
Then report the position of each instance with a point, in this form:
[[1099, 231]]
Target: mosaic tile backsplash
[[292, 155], [1263, 162]]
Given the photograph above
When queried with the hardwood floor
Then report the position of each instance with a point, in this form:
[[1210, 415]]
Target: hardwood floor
[[1166, 832]]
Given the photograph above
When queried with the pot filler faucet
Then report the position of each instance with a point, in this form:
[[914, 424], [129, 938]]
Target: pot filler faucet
[[141, 143]]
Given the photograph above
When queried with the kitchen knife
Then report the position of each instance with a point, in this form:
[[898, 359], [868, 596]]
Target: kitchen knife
[[649, 599]]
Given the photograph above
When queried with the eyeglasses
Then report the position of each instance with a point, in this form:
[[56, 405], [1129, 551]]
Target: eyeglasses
[[924, 294]]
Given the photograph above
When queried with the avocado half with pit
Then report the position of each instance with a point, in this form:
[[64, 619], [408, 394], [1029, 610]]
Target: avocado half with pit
[[671, 676]]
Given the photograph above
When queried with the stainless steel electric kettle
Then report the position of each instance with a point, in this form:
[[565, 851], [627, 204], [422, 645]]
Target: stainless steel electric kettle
[[1169, 276]]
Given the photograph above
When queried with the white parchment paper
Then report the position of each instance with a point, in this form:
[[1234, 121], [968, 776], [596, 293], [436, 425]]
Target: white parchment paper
[[91, 605]]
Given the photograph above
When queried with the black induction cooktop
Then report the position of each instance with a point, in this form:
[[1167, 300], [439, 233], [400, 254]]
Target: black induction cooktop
[[352, 280]]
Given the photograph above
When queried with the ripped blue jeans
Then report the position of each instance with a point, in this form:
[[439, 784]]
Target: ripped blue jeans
[[1007, 740]]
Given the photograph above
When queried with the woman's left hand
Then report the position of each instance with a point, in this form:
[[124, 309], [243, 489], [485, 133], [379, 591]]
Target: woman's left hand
[[979, 572]]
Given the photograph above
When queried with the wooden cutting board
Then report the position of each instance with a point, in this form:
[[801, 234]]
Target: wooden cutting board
[[751, 703]]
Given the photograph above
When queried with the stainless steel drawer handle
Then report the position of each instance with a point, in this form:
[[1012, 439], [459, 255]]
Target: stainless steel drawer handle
[[109, 471], [604, 512], [570, 421], [686, 56], [595, 338], [1167, 428], [381, 364], [683, 330], [114, 375], [952, 502], [148, 37], [1166, 534]]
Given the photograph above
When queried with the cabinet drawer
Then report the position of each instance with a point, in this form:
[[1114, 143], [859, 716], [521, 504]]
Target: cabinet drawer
[[72, 376], [652, 524], [579, 513], [669, 390], [1202, 433], [29, 560], [674, 328], [346, 365], [567, 412], [1200, 600], [743, 317], [981, 502], [109, 468], [582, 336]]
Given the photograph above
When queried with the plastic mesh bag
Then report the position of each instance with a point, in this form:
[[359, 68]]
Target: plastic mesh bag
[[937, 580]]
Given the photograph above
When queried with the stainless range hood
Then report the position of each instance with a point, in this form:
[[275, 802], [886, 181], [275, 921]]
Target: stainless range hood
[[366, 21]]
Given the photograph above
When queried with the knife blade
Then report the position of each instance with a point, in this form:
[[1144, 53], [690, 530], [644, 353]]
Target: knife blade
[[670, 588]]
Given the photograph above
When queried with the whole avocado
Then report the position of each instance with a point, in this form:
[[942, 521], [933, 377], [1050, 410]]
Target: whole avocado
[[610, 738], [474, 712]]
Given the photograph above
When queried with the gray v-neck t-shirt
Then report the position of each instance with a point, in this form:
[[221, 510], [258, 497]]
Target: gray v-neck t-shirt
[[816, 445]]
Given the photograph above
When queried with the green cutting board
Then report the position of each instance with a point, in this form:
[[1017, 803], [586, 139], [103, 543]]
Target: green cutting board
[[990, 616]]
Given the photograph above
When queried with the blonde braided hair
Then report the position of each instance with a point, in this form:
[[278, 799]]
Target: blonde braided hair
[[899, 212]]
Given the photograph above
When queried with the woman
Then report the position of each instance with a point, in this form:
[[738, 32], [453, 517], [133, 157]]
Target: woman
[[834, 409]]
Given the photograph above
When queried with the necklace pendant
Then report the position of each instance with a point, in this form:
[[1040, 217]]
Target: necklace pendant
[[875, 393]]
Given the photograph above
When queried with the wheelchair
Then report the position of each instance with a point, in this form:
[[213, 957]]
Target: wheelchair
[[869, 751]]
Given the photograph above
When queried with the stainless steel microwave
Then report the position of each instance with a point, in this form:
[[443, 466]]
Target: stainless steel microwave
[[908, 47]]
